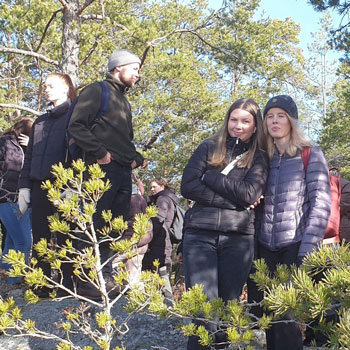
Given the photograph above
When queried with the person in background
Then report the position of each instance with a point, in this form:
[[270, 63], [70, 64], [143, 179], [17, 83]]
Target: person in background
[[17, 225], [296, 204], [345, 210], [163, 197], [46, 147], [225, 175], [138, 205]]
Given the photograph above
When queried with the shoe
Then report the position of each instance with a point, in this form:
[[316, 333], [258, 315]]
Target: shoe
[[62, 293], [43, 292], [87, 290], [113, 288]]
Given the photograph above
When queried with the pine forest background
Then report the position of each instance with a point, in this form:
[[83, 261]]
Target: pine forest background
[[196, 62]]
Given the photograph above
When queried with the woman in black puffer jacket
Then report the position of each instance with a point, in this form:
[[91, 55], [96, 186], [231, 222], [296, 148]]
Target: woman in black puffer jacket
[[47, 146], [225, 176]]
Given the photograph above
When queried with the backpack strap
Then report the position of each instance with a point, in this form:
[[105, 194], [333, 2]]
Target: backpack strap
[[103, 106], [104, 99], [305, 155], [102, 110]]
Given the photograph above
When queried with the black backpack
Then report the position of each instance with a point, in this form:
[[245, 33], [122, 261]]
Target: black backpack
[[73, 150], [176, 227]]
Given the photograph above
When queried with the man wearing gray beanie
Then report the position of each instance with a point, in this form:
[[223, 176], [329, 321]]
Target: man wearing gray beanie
[[108, 140]]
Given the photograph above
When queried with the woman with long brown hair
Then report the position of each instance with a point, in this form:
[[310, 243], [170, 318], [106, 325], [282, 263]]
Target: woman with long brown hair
[[225, 176], [18, 226]]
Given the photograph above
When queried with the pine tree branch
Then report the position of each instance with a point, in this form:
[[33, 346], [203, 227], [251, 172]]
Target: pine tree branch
[[92, 17], [46, 28], [30, 53], [64, 4], [84, 6], [22, 108]]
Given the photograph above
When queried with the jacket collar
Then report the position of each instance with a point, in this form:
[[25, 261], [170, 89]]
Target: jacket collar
[[236, 146], [165, 192], [116, 82], [58, 110]]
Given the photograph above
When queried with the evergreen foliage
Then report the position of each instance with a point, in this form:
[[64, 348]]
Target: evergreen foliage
[[196, 61], [75, 198]]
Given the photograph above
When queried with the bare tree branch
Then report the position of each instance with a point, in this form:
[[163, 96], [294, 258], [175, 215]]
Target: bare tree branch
[[92, 17], [64, 4], [46, 28], [22, 108], [84, 6], [30, 53], [102, 8], [92, 49]]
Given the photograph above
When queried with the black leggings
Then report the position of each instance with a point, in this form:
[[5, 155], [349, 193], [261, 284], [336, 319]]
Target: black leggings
[[41, 209]]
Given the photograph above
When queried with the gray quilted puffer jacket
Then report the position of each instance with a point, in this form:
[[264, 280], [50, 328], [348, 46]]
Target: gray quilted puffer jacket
[[297, 205]]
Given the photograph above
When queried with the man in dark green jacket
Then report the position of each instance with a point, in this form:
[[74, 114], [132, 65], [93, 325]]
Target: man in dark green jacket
[[109, 140]]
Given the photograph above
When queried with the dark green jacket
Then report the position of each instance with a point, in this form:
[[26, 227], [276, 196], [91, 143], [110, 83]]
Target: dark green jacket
[[112, 132]]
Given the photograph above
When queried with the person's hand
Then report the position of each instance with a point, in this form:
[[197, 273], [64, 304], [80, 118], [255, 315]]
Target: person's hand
[[134, 164], [66, 194], [23, 199], [255, 204], [180, 258], [106, 159], [23, 140]]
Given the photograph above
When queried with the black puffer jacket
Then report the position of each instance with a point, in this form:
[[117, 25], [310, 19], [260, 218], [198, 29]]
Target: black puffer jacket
[[222, 201], [47, 146], [11, 161], [160, 247]]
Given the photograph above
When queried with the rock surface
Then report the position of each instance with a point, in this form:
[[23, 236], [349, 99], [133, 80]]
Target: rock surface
[[146, 332]]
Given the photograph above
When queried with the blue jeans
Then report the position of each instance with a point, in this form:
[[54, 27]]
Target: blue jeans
[[18, 236], [221, 262]]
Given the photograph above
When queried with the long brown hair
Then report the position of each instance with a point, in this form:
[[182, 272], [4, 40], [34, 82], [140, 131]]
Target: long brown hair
[[257, 141], [23, 126], [72, 94]]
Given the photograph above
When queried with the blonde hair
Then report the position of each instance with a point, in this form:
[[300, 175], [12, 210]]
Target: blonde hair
[[257, 141], [298, 140]]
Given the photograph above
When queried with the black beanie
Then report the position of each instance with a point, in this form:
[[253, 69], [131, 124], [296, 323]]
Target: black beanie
[[284, 102]]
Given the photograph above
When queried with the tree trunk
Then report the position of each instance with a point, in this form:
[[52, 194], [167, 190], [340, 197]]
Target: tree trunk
[[70, 41]]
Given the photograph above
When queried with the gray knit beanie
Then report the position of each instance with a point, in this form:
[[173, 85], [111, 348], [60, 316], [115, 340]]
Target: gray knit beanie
[[121, 58], [284, 102]]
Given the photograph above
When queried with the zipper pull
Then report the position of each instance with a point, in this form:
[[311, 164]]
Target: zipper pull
[[279, 162]]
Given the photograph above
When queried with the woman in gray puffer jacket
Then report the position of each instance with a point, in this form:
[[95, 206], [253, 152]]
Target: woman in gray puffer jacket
[[297, 203]]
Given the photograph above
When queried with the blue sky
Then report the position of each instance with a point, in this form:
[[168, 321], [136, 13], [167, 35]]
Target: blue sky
[[299, 10]]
